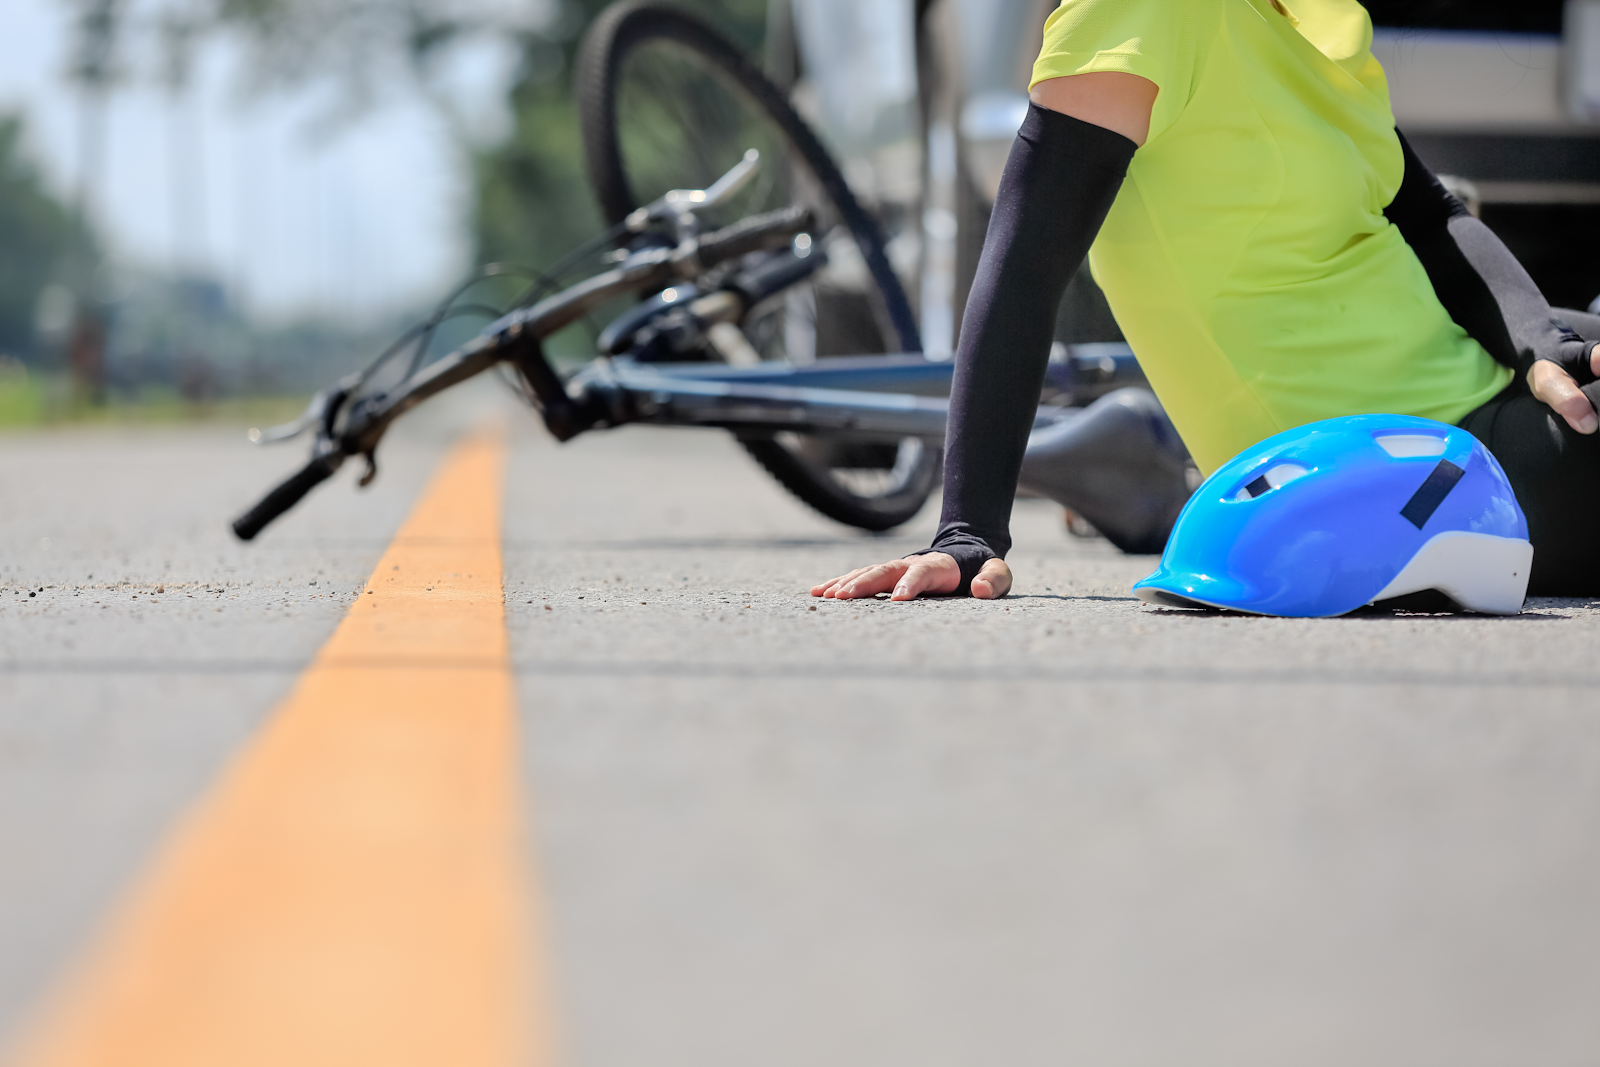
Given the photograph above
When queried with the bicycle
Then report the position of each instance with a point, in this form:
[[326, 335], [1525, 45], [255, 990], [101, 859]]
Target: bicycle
[[712, 339]]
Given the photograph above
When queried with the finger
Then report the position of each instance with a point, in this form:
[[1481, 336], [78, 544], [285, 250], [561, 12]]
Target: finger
[[993, 580], [833, 588], [919, 578], [834, 583], [839, 584], [872, 581], [935, 572], [1555, 387]]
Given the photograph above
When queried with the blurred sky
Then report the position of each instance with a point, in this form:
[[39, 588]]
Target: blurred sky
[[298, 215]]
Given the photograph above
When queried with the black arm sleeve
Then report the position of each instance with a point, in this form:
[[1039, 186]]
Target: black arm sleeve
[[1478, 280], [1058, 185]]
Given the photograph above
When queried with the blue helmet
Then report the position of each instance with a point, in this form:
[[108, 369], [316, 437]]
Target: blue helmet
[[1328, 517]]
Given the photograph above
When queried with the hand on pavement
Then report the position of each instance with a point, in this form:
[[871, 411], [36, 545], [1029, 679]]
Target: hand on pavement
[[908, 578]]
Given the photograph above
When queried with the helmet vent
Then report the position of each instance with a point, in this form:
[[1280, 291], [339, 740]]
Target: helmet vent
[[1411, 445], [1274, 478]]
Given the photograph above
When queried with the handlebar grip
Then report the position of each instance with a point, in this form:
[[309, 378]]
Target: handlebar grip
[[773, 275], [286, 496], [771, 230]]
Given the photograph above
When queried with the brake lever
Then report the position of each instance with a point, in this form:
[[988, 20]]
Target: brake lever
[[734, 180], [680, 202], [324, 405]]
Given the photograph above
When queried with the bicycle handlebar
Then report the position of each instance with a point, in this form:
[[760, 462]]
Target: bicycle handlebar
[[515, 337], [286, 495], [755, 234], [682, 203]]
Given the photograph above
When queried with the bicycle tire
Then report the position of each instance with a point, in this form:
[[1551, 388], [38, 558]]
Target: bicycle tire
[[620, 29], [807, 472], [822, 491]]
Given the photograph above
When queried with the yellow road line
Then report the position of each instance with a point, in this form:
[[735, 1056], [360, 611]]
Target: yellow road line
[[351, 891]]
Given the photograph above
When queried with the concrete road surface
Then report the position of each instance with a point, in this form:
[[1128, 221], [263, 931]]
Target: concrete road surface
[[1062, 828]]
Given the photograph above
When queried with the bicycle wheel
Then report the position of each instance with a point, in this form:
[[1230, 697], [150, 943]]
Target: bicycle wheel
[[666, 102]]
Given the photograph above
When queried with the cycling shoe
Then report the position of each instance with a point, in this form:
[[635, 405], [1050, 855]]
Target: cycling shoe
[[1119, 463]]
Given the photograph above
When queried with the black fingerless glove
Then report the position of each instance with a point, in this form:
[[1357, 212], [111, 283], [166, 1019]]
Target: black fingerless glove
[[970, 553], [1059, 183], [1569, 352]]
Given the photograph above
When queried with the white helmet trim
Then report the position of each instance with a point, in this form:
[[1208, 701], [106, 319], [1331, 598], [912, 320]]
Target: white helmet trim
[[1480, 572]]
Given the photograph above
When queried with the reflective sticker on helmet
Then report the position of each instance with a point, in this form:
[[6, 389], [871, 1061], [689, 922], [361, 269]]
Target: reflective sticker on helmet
[[1426, 500]]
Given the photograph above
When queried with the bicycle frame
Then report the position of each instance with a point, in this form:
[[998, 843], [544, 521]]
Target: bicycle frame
[[865, 397], [888, 397]]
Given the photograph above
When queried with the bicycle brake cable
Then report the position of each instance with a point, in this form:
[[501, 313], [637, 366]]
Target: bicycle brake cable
[[444, 309], [421, 334], [551, 278]]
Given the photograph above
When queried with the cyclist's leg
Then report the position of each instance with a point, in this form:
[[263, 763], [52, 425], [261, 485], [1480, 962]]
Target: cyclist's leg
[[1556, 474], [1119, 463]]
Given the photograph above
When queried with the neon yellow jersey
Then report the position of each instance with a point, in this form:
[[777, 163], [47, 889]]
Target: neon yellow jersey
[[1247, 257]]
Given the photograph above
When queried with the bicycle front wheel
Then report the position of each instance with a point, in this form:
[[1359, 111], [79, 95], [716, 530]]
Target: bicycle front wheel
[[666, 102]]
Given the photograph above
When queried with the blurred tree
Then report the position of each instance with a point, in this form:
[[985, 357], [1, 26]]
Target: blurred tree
[[36, 232], [361, 46], [532, 200]]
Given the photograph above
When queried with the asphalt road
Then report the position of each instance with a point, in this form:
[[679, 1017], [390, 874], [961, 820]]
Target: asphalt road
[[1060, 828]]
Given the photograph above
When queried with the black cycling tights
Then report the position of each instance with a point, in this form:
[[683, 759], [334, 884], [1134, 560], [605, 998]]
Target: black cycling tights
[[1556, 474]]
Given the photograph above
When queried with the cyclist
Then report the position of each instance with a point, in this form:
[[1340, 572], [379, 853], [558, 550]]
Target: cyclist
[[1275, 253]]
